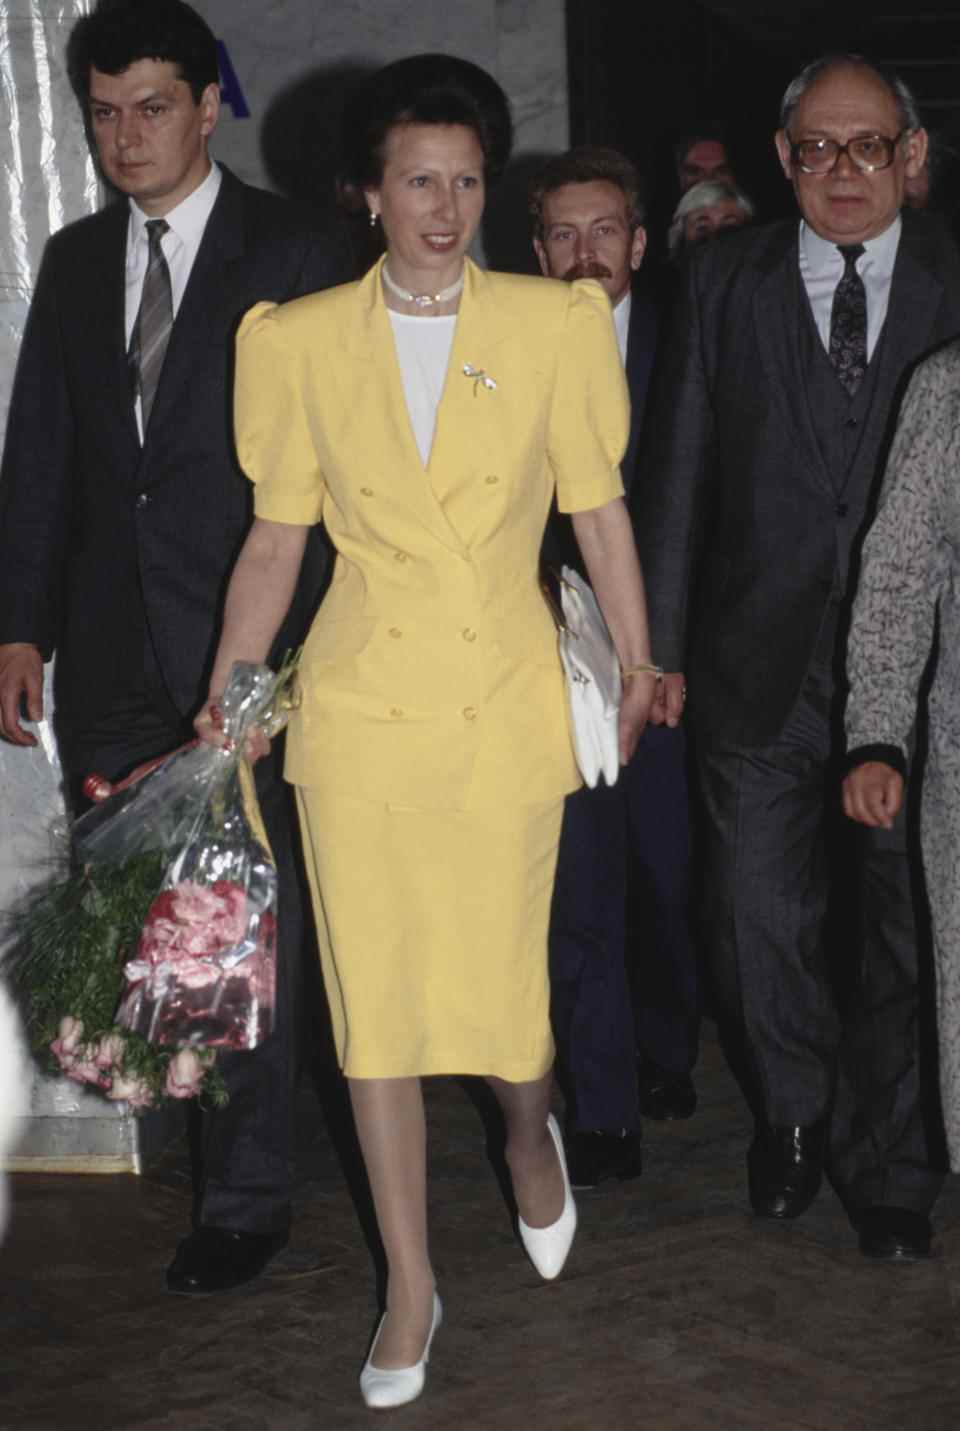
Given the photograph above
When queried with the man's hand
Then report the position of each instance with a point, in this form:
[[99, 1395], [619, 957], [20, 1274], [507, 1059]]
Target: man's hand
[[21, 678], [671, 695], [873, 794]]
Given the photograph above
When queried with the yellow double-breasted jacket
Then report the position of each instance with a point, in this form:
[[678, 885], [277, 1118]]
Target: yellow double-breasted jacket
[[431, 675]]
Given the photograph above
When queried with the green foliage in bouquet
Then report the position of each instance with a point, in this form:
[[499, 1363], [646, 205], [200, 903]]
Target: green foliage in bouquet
[[69, 939]]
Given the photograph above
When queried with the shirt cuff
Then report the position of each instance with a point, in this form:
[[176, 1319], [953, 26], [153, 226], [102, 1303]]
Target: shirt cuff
[[890, 755]]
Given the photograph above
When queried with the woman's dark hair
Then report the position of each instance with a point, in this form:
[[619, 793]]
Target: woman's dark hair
[[424, 89], [120, 32]]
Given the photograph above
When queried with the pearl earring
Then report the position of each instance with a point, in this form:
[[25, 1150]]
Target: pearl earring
[[373, 219]]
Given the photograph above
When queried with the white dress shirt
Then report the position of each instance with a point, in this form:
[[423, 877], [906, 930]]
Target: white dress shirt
[[180, 246], [821, 268], [621, 321]]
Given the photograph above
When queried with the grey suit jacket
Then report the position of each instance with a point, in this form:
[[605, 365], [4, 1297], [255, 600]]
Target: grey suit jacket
[[741, 526]]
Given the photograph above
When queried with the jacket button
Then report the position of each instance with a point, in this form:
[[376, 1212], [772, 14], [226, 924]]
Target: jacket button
[[366, 491], [469, 712], [399, 556], [842, 509], [491, 481], [468, 633], [395, 632], [143, 499], [396, 713]]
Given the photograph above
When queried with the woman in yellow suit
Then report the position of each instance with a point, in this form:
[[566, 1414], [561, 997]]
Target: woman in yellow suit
[[427, 415]]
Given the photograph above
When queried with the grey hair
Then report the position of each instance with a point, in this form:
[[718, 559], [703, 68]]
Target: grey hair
[[701, 196], [797, 88]]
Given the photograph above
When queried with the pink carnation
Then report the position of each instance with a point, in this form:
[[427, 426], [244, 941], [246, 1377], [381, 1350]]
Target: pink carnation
[[86, 1070], [66, 1047], [194, 922], [185, 1073], [130, 1090], [110, 1051]]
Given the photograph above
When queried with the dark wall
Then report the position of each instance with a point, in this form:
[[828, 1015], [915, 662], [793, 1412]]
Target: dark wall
[[640, 72]]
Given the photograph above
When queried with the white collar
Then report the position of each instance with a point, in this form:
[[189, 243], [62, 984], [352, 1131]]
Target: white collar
[[822, 255], [189, 218]]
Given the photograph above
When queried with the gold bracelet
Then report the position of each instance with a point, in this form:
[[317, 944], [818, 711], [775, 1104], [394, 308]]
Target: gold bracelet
[[645, 668]]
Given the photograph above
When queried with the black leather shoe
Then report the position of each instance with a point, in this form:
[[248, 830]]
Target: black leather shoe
[[665, 1096], [215, 1259], [785, 1167], [594, 1158], [893, 1234]]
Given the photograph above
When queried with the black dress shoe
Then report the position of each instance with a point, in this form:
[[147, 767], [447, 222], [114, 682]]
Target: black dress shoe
[[665, 1096], [893, 1234], [785, 1167], [593, 1158], [215, 1259]]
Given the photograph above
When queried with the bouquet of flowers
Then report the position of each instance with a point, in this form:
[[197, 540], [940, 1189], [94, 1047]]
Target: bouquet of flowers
[[156, 945]]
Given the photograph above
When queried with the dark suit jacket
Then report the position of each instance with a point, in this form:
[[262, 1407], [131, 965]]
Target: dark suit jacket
[[89, 519], [741, 528], [560, 545]]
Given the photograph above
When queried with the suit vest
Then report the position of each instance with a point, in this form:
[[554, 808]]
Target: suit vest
[[839, 421]]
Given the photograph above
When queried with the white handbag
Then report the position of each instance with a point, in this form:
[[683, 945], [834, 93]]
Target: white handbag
[[592, 671]]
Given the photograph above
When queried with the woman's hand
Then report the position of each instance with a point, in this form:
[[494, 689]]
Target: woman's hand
[[208, 723], [873, 794], [639, 695]]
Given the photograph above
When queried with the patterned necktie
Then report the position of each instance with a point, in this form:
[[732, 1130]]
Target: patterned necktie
[[848, 322], [151, 331]]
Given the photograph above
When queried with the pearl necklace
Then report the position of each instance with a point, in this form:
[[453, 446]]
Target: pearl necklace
[[422, 300]]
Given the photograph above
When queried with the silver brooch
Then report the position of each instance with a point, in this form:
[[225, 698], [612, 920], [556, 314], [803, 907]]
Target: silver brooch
[[480, 378]]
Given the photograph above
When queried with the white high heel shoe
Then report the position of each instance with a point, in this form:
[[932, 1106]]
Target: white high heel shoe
[[547, 1247], [381, 1388]]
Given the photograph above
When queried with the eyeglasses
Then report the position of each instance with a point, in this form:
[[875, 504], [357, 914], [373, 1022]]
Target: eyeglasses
[[866, 152]]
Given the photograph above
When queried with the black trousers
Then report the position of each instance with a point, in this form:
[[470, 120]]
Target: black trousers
[[633, 839], [246, 1148], [806, 916]]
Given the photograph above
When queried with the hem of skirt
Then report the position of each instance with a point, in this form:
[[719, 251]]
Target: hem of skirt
[[453, 1067]]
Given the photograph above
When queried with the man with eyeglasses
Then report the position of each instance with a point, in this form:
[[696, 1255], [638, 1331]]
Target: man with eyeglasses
[[769, 425]]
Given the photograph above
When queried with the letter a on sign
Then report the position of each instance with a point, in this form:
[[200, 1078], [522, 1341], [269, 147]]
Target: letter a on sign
[[230, 91]]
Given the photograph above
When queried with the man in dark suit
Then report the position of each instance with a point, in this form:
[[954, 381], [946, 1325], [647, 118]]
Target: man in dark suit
[[122, 509], [587, 218], [770, 421]]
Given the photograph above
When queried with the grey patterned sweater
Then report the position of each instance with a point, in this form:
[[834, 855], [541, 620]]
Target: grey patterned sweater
[[910, 577]]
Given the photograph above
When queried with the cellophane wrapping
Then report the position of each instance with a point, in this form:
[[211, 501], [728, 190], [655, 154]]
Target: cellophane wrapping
[[204, 972]]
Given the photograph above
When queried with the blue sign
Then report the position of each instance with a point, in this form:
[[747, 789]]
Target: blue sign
[[230, 91]]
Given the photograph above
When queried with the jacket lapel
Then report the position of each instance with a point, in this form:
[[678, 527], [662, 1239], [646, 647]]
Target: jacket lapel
[[106, 324], [464, 416], [222, 242], [778, 313], [916, 293], [641, 345], [373, 386]]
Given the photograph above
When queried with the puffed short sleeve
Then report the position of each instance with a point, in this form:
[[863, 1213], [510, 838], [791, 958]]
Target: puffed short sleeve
[[590, 415], [274, 442]]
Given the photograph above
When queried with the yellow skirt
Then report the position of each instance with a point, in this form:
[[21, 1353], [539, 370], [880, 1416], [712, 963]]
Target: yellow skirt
[[432, 928]]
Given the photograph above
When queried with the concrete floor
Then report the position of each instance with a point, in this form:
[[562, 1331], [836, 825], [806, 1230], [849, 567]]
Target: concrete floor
[[676, 1312]]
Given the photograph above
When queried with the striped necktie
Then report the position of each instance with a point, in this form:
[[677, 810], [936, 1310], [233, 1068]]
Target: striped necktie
[[848, 322], [151, 331]]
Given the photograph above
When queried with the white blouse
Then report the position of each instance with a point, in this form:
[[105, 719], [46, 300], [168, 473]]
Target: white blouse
[[423, 352]]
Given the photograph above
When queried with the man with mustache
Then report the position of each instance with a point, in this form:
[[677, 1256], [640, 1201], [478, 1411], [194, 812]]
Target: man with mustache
[[587, 217]]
